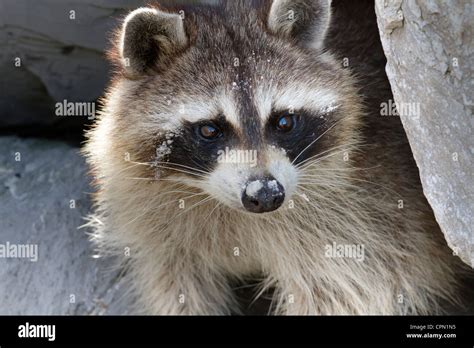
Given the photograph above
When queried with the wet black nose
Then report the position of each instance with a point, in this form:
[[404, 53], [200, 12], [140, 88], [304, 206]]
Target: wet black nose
[[263, 195]]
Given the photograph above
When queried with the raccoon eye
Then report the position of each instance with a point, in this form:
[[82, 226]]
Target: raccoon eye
[[286, 123], [209, 131]]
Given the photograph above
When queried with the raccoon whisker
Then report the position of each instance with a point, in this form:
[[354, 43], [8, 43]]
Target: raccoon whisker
[[178, 180], [319, 155], [345, 191], [317, 158], [356, 146], [184, 166], [142, 163], [314, 203], [308, 161], [167, 192], [355, 179], [206, 170], [323, 194], [343, 202], [121, 171], [349, 169], [171, 166], [163, 179], [330, 210], [327, 207], [194, 181], [208, 216], [181, 171], [314, 141], [322, 158], [334, 184], [332, 173], [380, 185]]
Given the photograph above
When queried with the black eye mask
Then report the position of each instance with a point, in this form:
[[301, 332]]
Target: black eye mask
[[306, 128], [191, 149]]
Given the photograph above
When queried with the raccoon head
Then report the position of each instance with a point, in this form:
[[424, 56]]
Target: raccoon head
[[233, 99]]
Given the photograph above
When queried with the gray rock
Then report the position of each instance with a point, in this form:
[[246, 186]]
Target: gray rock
[[429, 49], [36, 209], [61, 55], [61, 46]]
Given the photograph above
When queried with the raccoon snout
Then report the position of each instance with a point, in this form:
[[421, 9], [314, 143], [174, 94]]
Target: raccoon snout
[[263, 195]]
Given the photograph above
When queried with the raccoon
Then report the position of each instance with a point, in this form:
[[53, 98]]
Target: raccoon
[[242, 143]]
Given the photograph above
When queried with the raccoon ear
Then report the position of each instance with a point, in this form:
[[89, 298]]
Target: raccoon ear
[[149, 38], [303, 21]]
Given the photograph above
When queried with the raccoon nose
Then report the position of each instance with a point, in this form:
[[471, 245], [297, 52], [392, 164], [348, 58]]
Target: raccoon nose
[[263, 195]]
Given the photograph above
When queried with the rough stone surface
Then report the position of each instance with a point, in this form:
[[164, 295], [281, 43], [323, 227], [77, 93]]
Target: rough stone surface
[[35, 208], [429, 49], [60, 57], [61, 46]]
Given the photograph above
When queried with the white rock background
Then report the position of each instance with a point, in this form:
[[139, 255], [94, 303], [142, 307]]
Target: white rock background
[[429, 47]]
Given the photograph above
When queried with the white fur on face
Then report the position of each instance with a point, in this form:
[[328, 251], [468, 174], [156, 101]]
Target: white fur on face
[[280, 166], [174, 111], [228, 181], [298, 97], [318, 99]]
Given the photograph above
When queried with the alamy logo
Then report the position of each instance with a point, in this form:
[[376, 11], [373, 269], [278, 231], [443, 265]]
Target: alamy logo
[[37, 331], [392, 108], [67, 108], [351, 251], [24, 251], [237, 156]]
